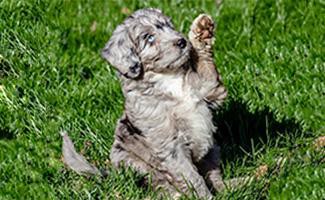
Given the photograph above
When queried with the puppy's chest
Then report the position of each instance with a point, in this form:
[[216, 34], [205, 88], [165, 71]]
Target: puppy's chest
[[190, 109]]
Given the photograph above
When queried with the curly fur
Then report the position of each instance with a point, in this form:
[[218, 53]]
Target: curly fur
[[167, 127], [170, 85]]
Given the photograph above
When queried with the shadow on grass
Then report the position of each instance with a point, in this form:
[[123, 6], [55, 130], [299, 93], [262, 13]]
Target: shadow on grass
[[5, 68], [5, 133], [239, 129]]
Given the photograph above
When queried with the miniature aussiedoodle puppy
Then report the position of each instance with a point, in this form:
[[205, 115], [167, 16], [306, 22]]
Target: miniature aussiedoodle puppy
[[171, 87]]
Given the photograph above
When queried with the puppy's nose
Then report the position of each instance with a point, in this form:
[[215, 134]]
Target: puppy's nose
[[181, 43]]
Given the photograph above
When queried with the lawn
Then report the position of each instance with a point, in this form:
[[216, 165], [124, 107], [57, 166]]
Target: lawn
[[272, 58]]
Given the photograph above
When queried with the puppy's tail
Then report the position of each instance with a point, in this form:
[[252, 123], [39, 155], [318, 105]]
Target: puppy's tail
[[75, 161]]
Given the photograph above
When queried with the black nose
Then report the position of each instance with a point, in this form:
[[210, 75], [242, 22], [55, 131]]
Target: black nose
[[181, 43]]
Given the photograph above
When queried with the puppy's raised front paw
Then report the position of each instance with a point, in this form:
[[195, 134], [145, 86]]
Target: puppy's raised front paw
[[202, 30]]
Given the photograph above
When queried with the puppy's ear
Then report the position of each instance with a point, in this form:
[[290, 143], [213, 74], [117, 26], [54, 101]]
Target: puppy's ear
[[120, 51]]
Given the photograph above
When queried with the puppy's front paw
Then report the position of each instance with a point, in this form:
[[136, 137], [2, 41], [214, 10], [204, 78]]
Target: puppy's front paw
[[201, 32]]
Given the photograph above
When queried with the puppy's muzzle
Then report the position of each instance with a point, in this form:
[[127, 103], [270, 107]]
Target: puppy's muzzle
[[181, 43]]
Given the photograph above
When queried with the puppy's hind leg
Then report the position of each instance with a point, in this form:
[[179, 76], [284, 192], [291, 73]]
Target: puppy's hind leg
[[170, 166], [131, 150], [209, 167]]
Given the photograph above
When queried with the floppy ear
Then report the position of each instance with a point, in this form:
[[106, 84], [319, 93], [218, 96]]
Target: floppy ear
[[120, 51]]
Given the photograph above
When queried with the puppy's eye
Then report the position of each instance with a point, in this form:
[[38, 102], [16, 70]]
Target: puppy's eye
[[151, 38]]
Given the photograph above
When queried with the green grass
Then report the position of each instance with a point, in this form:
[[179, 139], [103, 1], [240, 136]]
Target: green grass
[[272, 58]]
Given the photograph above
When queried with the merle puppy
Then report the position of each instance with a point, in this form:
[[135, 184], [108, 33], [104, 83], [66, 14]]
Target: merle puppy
[[171, 87]]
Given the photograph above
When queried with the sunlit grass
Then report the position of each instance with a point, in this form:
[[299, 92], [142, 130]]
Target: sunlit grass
[[271, 56]]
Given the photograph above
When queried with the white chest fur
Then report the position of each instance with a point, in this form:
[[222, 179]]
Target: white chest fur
[[191, 109]]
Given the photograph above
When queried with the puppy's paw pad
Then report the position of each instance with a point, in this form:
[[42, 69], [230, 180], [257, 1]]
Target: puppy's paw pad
[[203, 27]]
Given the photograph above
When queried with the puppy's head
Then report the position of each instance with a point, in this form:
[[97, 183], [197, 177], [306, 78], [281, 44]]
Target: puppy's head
[[146, 41]]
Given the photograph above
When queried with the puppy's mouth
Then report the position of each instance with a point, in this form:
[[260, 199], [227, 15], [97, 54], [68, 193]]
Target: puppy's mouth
[[177, 57]]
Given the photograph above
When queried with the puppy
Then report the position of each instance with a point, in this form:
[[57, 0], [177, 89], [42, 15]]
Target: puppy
[[171, 86]]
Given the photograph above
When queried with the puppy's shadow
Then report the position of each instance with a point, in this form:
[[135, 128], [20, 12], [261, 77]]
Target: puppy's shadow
[[240, 130], [6, 134]]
